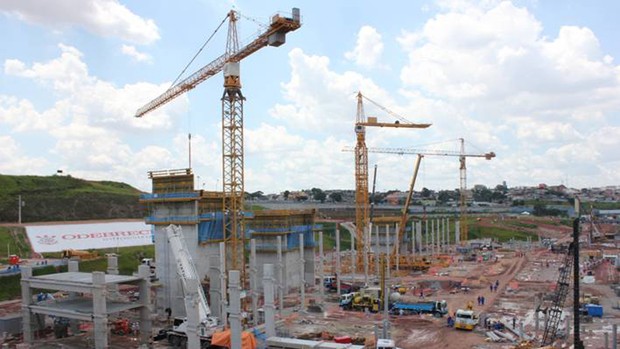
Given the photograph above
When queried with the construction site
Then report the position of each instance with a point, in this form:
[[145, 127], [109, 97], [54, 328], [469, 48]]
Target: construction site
[[227, 275]]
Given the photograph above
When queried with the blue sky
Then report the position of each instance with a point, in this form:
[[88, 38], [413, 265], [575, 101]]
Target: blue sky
[[537, 82]]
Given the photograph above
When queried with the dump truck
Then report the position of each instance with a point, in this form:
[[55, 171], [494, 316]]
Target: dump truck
[[437, 308], [365, 299]]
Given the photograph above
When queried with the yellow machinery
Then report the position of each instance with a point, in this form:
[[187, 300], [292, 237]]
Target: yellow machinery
[[83, 255], [361, 167], [232, 118]]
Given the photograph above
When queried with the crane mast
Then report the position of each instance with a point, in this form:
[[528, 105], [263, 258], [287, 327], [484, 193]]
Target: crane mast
[[361, 168], [232, 119], [462, 155]]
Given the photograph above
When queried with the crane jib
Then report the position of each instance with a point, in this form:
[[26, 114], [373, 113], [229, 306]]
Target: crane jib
[[273, 36]]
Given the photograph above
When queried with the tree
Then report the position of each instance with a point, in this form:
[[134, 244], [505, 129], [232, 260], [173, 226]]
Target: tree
[[320, 196], [286, 194], [426, 192], [335, 196]]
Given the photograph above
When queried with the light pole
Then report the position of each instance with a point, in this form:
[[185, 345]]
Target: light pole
[[20, 204]]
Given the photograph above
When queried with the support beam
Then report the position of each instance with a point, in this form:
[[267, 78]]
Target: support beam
[[268, 292], [234, 315]]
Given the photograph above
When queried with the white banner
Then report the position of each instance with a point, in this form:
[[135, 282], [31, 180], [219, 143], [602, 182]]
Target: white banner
[[58, 237]]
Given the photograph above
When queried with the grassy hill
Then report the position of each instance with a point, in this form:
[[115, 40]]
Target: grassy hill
[[60, 198]]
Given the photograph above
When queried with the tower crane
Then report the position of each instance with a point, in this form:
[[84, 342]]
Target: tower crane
[[462, 155], [232, 116], [361, 165]]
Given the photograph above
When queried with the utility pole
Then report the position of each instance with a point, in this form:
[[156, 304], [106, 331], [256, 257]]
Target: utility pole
[[20, 204]]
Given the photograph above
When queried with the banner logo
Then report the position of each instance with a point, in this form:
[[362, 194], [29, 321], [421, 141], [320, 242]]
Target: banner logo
[[47, 240]]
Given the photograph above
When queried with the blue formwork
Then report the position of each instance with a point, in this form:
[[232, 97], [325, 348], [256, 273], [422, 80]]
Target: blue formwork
[[594, 310]]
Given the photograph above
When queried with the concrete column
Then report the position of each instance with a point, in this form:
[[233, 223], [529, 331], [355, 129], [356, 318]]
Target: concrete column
[[443, 235], [223, 300], [146, 324], [254, 281], [387, 251], [353, 268], [377, 251], [419, 235], [268, 295], [448, 231], [280, 277], [321, 273], [73, 267], [112, 264], [426, 238], [26, 302], [606, 340], [234, 293], [457, 232], [567, 319], [302, 272], [432, 237], [397, 247], [338, 272], [413, 225], [614, 336], [192, 313], [215, 291], [536, 323], [100, 317], [365, 254]]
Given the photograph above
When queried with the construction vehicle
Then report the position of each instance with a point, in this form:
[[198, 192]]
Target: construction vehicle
[[232, 101], [83, 255], [120, 327], [365, 299], [466, 319], [386, 344], [294, 343], [436, 308], [193, 294]]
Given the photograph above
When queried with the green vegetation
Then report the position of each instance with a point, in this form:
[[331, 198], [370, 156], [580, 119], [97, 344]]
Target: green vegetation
[[522, 224], [59, 198], [329, 237], [128, 261], [500, 234], [13, 240]]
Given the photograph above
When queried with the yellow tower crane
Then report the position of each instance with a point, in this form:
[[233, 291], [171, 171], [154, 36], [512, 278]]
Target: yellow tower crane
[[232, 117], [462, 155], [361, 168]]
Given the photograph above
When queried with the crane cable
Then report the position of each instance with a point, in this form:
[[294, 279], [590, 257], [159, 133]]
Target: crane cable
[[199, 51]]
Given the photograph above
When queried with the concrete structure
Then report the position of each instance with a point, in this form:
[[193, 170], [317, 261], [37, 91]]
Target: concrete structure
[[96, 308], [199, 213]]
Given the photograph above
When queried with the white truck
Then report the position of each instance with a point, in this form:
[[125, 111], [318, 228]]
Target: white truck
[[184, 333], [466, 320]]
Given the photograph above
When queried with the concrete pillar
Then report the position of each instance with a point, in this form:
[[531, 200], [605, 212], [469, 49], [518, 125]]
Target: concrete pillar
[[215, 291], [192, 313], [614, 336], [146, 324], [419, 235], [27, 327], [365, 254], [74, 267], [112, 264], [223, 300], [522, 332], [100, 317], [353, 268], [567, 319], [536, 323], [457, 232], [448, 231], [387, 251], [268, 295], [397, 247], [432, 237], [302, 272], [413, 245], [254, 282], [280, 277], [606, 340], [377, 251], [338, 272], [427, 238], [234, 296], [321, 273]]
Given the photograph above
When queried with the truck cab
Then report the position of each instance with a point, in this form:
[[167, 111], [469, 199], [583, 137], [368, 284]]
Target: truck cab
[[386, 344]]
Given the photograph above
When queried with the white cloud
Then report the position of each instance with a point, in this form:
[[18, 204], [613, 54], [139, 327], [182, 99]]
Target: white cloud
[[105, 18], [132, 52], [368, 48], [14, 161]]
